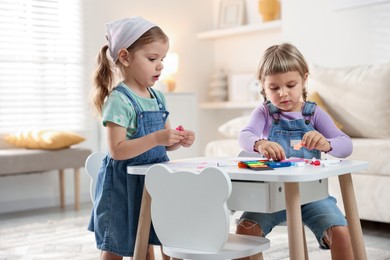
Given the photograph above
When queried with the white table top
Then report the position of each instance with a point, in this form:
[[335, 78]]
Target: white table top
[[285, 174]]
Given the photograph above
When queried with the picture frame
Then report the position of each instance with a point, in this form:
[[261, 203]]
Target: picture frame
[[231, 13]]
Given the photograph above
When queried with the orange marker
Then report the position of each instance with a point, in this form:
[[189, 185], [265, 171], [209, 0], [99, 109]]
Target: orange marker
[[298, 146]]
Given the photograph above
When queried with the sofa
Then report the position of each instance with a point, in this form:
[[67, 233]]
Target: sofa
[[358, 99]]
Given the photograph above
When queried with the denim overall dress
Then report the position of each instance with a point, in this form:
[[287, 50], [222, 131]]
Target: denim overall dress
[[118, 194], [319, 215]]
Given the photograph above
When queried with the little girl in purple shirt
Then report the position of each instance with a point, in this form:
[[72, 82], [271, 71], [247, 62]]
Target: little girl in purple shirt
[[276, 126]]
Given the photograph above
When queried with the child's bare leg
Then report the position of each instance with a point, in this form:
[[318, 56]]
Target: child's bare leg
[[247, 227], [109, 256], [164, 256], [339, 242], [149, 254]]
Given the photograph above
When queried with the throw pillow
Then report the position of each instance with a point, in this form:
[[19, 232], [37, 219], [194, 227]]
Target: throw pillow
[[358, 97], [44, 139], [315, 97], [233, 127]]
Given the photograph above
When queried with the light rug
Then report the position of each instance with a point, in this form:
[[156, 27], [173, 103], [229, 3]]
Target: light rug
[[70, 239], [279, 249]]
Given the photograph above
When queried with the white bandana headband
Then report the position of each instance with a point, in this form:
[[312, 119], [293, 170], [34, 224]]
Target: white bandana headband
[[124, 32]]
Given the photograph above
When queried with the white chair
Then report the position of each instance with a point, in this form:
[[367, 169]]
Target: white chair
[[92, 166], [249, 154], [190, 215]]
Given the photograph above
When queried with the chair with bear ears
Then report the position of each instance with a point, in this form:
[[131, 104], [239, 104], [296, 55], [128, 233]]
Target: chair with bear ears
[[92, 167], [190, 215]]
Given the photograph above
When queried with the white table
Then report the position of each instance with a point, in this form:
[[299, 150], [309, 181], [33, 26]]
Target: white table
[[291, 177]]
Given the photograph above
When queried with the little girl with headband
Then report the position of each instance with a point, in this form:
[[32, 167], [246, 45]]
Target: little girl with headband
[[138, 131]]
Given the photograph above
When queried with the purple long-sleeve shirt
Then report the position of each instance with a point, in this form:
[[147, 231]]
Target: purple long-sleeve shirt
[[260, 124]]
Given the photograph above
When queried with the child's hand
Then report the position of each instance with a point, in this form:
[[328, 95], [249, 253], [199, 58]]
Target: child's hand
[[271, 150], [189, 136], [315, 140], [168, 137]]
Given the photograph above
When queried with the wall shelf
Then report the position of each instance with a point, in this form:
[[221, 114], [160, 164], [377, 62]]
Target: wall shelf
[[230, 105], [248, 28]]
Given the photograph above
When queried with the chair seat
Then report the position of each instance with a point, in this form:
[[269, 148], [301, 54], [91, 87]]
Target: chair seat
[[237, 246]]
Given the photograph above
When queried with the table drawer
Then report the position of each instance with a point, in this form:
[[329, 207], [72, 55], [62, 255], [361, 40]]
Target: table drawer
[[269, 196], [249, 196]]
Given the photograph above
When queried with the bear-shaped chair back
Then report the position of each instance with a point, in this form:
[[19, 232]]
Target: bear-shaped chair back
[[188, 208]]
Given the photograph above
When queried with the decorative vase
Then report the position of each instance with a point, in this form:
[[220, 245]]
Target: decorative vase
[[269, 9], [218, 87]]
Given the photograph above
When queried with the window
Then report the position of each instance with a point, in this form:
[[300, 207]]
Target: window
[[42, 81]]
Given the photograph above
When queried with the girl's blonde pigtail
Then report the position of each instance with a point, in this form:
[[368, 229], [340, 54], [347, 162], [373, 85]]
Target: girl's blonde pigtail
[[103, 81]]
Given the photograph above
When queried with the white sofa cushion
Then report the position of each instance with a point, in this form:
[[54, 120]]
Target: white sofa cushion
[[372, 196], [376, 152], [232, 127], [358, 97], [225, 147]]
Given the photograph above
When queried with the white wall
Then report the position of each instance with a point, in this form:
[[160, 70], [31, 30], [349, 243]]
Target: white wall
[[180, 20], [333, 38]]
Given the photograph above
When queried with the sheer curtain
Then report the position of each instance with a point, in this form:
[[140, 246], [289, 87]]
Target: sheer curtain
[[41, 65]]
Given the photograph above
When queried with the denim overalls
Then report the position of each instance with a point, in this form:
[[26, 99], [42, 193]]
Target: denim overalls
[[118, 194], [319, 215], [288, 132]]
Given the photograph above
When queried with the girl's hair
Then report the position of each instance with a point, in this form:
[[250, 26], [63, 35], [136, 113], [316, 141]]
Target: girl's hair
[[280, 59], [104, 75]]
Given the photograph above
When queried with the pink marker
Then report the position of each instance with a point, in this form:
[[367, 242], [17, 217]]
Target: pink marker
[[180, 128]]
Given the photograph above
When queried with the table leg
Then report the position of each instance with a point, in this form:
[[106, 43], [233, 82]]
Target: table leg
[[62, 188], [305, 243], [256, 257], [351, 212], [77, 189], [144, 222], [294, 221]]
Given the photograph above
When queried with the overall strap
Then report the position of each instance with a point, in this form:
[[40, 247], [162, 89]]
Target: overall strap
[[159, 102], [124, 91], [308, 111], [273, 111]]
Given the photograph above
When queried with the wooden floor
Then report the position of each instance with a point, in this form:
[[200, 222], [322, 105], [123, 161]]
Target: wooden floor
[[376, 235]]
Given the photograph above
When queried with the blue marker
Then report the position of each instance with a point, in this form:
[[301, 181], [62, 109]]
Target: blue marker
[[279, 164]]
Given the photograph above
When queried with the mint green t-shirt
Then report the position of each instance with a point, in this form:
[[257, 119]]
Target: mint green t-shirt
[[118, 108]]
